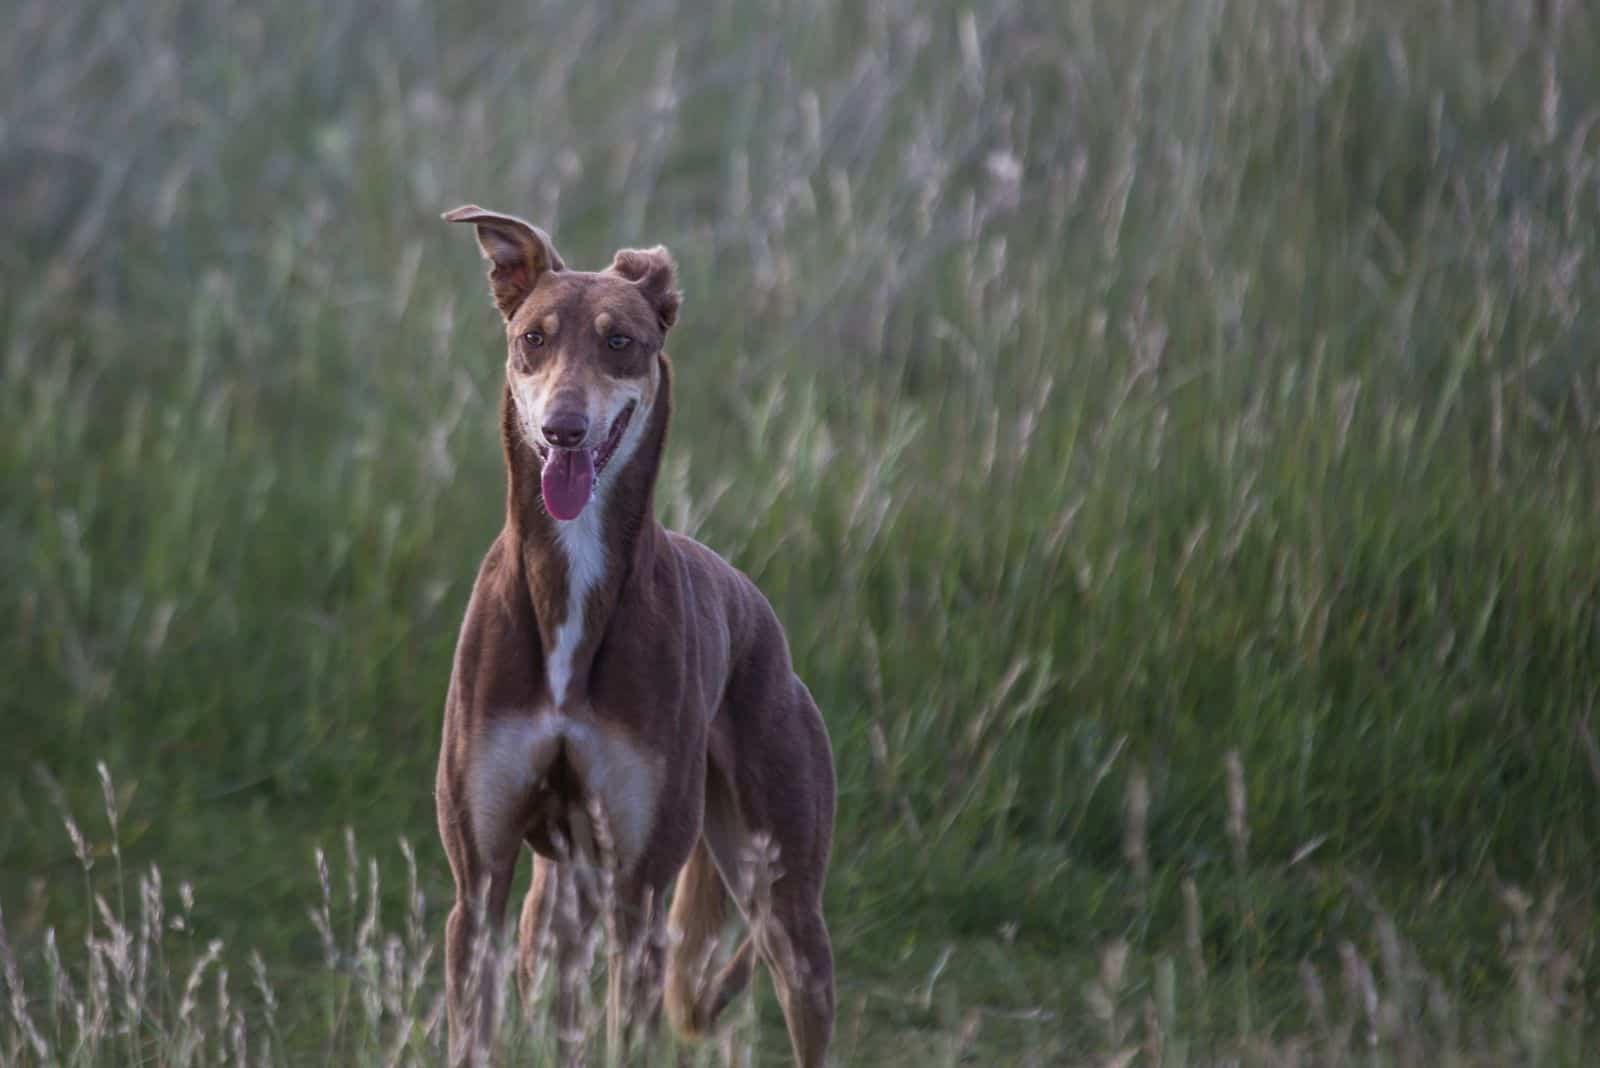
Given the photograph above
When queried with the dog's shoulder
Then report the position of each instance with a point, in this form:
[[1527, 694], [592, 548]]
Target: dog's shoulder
[[743, 605], [707, 569], [498, 568], [493, 603]]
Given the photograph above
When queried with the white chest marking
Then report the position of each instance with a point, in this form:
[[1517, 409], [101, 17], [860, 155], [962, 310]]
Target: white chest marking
[[513, 755], [582, 542]]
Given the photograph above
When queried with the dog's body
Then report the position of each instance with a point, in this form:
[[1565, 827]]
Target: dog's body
[[607, 665]]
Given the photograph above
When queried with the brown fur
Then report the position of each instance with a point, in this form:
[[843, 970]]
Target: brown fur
[[680, 716]]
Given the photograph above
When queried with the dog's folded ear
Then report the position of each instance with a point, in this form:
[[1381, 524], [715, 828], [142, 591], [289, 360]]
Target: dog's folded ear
[[656, 275], [518, 254]]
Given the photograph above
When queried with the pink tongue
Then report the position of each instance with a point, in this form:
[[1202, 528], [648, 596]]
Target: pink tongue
[[567, 481]]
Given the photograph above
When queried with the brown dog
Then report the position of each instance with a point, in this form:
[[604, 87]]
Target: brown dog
[[608, 665]]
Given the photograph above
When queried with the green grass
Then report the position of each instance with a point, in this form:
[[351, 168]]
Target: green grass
[[1096, 390]]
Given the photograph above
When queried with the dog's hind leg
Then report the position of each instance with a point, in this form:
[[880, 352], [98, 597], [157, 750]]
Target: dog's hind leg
[[782, 834], [694, 998], [784, 910], [794, 942], [535, 930]]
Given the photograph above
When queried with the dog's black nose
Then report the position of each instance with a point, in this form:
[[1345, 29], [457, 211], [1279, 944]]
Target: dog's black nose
[[566, 430]]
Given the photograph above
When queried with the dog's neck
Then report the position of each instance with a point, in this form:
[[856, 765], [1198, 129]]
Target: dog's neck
[[574, 572]]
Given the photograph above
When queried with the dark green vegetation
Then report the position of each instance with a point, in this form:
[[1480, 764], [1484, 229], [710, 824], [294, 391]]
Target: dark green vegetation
[[1094, 388]]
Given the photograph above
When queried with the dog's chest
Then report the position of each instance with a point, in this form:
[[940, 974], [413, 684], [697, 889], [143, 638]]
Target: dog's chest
[[538, 775]]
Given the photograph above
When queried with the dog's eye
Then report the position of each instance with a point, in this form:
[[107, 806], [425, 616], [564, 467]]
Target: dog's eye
[[618, 342], [533, 338]]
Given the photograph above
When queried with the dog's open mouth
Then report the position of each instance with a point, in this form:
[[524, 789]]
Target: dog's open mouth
[[569, 475]]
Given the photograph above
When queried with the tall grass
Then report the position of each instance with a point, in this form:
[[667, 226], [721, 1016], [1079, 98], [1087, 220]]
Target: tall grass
[[1097, 390], [123, 998]]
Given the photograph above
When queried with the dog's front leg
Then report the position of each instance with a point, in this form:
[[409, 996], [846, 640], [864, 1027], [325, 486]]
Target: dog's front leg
[[473, 981], [557, 940], [635, 965], [556, 920]]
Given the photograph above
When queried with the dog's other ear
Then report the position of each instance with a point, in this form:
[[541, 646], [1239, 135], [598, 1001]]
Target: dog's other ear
[[518, 254], [652, 270]]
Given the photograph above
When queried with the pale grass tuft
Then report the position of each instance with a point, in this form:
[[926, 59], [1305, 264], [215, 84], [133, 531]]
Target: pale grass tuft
[[20, 1016], [1135, 820], [1238, 819]]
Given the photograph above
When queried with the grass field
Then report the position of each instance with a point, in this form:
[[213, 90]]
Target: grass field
[[1170, 432]]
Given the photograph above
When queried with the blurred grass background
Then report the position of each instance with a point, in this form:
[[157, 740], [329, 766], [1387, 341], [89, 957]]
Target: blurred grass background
[[1096, 389]]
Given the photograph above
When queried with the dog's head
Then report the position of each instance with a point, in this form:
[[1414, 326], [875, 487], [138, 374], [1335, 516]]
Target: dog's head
[[582, 350]]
